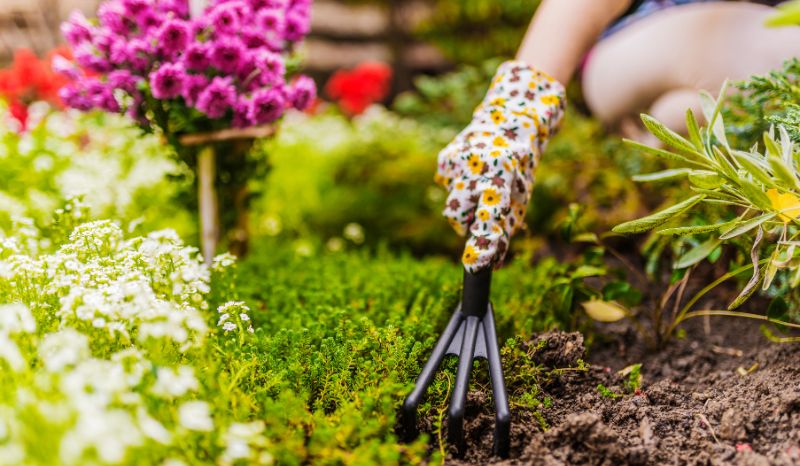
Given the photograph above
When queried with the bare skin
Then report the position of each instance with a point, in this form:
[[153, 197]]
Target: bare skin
[[658, 64]]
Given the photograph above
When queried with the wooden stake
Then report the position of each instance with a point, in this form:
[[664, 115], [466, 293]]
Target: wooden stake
[[208, 203]]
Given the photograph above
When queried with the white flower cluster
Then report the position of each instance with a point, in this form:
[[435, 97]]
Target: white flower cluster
[[101, 346], [234, 317], [101, 158]]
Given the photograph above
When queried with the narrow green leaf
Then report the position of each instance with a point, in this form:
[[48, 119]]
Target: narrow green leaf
[[754, 194], [772, 270], [705, 179], [771, 145], [665, 154], [667, 136], [662, 175], [786, 144], [697, 253], [724, 165], [693, 230], [694, 130], [783, 172], [658, 218], [754, 168], [743, 228]]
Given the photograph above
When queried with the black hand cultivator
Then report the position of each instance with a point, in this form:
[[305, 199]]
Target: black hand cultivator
[[470, 334]]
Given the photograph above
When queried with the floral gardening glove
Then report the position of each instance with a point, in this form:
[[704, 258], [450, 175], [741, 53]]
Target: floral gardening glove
[[488, 168]]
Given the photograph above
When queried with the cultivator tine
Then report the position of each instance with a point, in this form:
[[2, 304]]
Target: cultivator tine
[[470, 334]]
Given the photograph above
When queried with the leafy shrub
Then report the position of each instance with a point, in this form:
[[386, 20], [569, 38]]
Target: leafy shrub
[[100, 158], [753, 194]]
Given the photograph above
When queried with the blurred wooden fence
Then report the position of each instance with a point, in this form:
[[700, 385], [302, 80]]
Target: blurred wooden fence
[[343, 34]]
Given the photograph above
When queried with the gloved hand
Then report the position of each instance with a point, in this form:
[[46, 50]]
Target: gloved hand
[[488, 168]]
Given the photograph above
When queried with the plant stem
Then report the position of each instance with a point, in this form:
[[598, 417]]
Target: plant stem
[[722, 312], [682, 315]]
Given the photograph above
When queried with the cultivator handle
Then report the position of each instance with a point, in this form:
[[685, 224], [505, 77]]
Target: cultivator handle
[[470, 334]]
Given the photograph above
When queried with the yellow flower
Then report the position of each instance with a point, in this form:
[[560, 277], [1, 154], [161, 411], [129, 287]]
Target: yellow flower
[[498, 101], [460, 185], [490, 197], [550, 99], [497, 117], [500, 141], [441, 180], [475, 164], [495, 153], [483, 215], [470, 256], [787, 204]]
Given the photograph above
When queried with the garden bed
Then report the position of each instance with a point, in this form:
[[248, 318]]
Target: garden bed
[[722, 395]]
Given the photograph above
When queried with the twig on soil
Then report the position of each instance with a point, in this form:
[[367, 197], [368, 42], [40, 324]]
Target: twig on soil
[[737, 353], [707, 424]]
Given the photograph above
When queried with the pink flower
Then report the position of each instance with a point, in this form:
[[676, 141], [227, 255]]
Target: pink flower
[[167, 82], [227, 53], [266, 106], [217, 98]]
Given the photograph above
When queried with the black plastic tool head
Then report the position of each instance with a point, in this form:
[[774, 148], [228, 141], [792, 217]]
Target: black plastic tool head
[[470, 333]]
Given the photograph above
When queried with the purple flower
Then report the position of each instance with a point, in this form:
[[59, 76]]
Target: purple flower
[[199, 25], [241, 111], [77, 29], [194, 85], [173, 37], [119, 53], [303, 92], [102, 96], [297, 25], [139, 54], [112, 16], [196, 57], [253, 37], [271, 68], [266, 106], [270, 20], [65, 67], [133, 8], [217, 98], [73, 96], [225, 19], [179, 8], [90, 58], [167, 81], [123, 80], [226, 54], [149, 19]]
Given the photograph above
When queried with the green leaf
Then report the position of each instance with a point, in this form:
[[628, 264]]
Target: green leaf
[[783, 172], [667, 136], [693, 230], [754, 168], [667, 155], [662, 175], [697, 253], [754, 194], [694, 130], [772, 270], [658, 218], [705, 179], [604, 311], [743, 228]]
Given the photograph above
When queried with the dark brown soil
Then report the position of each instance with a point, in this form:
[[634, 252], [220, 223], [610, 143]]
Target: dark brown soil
[[721, 396]]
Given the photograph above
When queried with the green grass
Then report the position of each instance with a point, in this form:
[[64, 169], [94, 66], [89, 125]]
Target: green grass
[[340, 338]]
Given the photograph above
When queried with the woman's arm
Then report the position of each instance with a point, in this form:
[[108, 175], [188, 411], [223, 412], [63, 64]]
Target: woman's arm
[[564, 30]]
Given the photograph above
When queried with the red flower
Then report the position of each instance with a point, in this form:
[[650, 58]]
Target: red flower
[[356, 89], [30, 79]]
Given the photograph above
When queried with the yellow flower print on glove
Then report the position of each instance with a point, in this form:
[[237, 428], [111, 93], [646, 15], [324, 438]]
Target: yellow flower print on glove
[[488, 168]]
